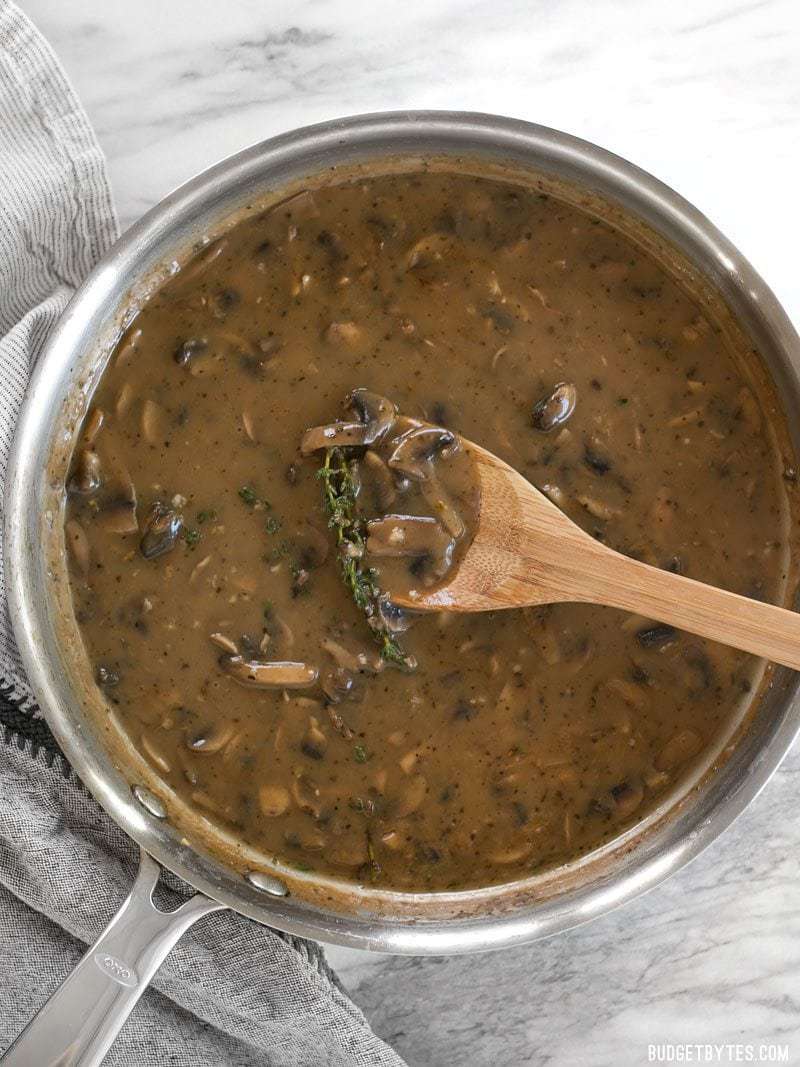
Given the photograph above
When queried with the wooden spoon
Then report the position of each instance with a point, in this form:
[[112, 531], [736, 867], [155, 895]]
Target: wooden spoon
[[526, 551]]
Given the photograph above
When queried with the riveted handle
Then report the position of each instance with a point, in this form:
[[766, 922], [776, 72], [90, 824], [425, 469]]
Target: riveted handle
[[78, 1024]]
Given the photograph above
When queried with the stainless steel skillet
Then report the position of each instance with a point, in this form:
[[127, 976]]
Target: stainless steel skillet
[[79, 1023]]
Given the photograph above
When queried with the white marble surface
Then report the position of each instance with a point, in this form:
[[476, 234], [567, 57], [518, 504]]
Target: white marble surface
[[704, 93]]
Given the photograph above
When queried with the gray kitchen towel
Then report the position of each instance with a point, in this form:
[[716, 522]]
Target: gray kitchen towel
[[232, 992]]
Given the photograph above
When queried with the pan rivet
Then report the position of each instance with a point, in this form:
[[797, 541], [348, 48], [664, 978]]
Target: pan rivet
[[267, 884], [150, 801]]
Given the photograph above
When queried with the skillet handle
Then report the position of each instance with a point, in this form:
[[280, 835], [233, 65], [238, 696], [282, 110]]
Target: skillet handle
[[78, 1024]]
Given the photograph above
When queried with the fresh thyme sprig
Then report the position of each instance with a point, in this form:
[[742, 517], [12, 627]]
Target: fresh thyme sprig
[[338, 476]]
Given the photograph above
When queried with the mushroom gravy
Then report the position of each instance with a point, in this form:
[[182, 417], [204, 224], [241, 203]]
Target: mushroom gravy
[[203, 570]]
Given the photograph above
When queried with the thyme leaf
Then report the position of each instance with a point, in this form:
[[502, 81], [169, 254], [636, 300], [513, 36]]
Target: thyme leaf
[[249, 496], [338, 477]]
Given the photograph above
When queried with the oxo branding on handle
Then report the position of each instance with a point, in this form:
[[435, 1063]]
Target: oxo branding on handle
[[116, 969]]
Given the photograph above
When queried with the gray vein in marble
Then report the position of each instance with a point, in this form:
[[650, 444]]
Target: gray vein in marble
[[723, 17]]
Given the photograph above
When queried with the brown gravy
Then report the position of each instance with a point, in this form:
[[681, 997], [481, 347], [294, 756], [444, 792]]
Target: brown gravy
[[204, 574]]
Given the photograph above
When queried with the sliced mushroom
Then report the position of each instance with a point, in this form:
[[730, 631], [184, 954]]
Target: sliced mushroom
[[161, 531], [311, 545], [78, 547], [655, 779], [373, 411], [748, 410], [225, 643], [391, 840], [631, 694], [311, 840], [428, 259], [660, 635], [628, 797], [223, 301], [86, 474], [123, 401], [106, 677], [347, 333], [186, 352], [314, 743], [156, 757], [408, 761], [686, 418], [253, 645], [411, 535], [555, 493], [300, 580], [126, 352], [153, 422], [511, 854], [680, 748], [204, 800], [337, 684], [119, 516], [94, 425], [273, 800], [439, 500], [280, 632], [307, 796], [353, 659], [349, 851], [413, 455], [117, 476], [554, 409], [334, 435], [377, 481], [199, 567], [415, 450], [702, 673], [498, 318], [211, 740], [333, 246], [595, 458], [411, 797], [598, 508], [374, 414], [583, 655], [278, 674], [249, 426], [402, 425]]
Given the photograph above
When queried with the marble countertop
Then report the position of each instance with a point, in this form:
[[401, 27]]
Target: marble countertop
[[707, 96]]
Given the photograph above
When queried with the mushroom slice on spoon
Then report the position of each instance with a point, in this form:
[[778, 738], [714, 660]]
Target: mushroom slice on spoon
[[414, 454], [374, 416], [411, 535], [376, 412]]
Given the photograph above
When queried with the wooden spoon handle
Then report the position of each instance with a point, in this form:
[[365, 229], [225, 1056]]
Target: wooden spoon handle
[[750, 625]]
